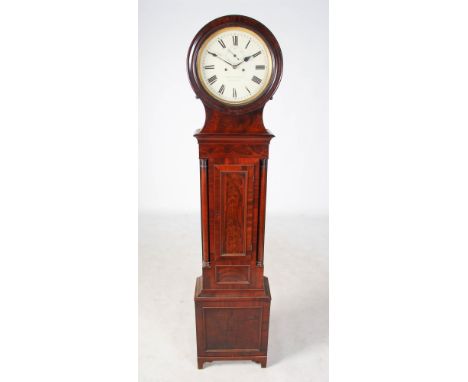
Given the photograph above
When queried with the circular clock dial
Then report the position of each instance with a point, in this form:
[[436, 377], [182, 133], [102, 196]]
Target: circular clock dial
[[234, 65]]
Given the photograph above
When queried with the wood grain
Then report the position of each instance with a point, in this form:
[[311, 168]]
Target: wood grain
[[232, 297]]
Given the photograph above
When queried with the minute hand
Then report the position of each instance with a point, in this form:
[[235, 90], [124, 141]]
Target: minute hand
[[222, 59]]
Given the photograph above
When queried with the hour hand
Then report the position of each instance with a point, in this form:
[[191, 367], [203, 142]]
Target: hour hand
[[248, 58], [252, 55]]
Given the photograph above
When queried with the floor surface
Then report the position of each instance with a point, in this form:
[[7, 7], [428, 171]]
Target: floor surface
[[296, 263]]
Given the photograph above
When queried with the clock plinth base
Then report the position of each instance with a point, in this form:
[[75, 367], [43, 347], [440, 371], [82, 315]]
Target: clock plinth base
[[262, 360], [232, 326]]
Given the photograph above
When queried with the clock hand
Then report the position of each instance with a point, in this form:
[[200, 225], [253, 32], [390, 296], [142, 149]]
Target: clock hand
[[222, 59], [244, 60]]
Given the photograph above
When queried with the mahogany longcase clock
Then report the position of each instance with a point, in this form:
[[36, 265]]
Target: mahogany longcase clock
[[234, 65]]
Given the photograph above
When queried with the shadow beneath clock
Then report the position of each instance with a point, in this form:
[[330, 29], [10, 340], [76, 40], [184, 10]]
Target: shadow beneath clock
[[299, 324]]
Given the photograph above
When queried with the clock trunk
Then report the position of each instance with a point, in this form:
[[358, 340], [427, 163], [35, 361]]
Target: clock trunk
[[232, 297]]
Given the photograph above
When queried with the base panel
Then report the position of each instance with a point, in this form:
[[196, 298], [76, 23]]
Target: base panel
[[231, 327]]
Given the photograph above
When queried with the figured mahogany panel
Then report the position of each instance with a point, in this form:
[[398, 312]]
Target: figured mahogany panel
[[232, 328], [234, 185], [232, 274], [233, 213]]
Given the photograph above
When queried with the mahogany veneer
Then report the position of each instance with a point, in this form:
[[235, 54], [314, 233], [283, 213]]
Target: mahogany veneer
[[232, 296]]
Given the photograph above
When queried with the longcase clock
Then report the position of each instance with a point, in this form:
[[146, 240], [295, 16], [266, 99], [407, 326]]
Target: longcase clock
[[234, 65]]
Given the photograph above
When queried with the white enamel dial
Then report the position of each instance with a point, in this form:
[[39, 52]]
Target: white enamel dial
[[234, 65]]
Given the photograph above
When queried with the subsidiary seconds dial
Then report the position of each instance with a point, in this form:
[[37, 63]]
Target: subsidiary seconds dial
[[234, 65]]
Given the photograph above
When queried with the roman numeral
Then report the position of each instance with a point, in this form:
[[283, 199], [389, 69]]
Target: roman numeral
[[256, 54], [247, 45], [234, 93], [221, 42], [235, 40], [209, 66], [246, 88], [260, 67], [221, 89], [212, 80], [256, 80]]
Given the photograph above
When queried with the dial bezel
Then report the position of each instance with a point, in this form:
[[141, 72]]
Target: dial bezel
[[265, 36], [266, 80]]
